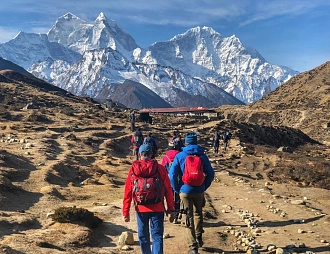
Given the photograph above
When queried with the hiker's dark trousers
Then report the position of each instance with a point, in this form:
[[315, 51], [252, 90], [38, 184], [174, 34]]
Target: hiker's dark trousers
[[194, 203]]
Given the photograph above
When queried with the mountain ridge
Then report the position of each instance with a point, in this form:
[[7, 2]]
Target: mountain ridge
[[201, 55]]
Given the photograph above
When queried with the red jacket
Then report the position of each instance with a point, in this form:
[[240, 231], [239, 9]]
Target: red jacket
[[169, 156], [144, 166]]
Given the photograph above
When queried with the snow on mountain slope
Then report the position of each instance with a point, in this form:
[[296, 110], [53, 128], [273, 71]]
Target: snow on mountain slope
[[80, 36], [101, 68], [87, 59], [226, 62], [28, 48]]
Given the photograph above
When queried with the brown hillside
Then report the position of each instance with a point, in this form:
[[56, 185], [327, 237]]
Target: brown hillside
[[302, 103], [66, 154]]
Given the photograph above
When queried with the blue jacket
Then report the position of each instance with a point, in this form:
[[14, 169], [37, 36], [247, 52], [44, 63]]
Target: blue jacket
[[177, 169]]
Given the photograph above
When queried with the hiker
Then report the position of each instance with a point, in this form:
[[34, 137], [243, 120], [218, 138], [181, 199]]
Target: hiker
[[226, 137], [150, 140], [195, 173], [132, 120], [216, 142], [167, 162], [178, 140], [137, 141], [148, 202]]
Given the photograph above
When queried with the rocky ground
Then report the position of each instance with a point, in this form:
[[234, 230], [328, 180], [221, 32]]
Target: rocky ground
[[61, 151], [82, 160]]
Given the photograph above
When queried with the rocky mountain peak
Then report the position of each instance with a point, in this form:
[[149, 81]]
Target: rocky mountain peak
[[63, 28], [198, 33], [195, 62], [101, 17], [68, 16]]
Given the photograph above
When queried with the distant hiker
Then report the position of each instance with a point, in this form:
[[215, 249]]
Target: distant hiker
[[175, 134], [137, 141], [177, 140], [167, 162], [147, 184], [195, 173], [226, 137], [150, 140], [216, 142], [132, 120]]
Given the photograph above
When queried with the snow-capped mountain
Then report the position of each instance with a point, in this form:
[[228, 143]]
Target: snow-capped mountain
[[199, 66], [28, 48], [80, 36], [205, 54]]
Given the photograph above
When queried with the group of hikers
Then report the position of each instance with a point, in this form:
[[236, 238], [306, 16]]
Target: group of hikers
[[181, 179], [225, 137]]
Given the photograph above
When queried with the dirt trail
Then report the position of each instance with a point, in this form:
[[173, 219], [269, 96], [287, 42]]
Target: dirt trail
[[87, 166], [275, 219]]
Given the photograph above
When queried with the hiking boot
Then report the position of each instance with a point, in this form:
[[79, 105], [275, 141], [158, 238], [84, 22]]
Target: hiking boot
[[200, 241], [193, 251]]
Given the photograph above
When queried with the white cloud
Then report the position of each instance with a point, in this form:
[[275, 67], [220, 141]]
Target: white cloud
[[270, 9]]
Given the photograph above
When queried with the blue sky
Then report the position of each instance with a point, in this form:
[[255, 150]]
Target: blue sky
[[293, 33]]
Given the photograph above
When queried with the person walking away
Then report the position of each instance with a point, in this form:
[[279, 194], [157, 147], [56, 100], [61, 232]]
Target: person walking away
[[193, 168], [150, 140], [216, 142], [226, 137], [147, 184], [167, 162], [178, 140], [132, 120], [137, 141]]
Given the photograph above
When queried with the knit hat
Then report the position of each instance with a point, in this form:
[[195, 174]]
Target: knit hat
[[145, 148], [191, 138]]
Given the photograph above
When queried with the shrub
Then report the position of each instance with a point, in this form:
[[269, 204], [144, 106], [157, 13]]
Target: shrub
[[67, 111], [76, 215]]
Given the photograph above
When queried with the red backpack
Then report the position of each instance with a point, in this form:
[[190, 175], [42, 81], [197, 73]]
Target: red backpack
[[148, 189], [193, 174]]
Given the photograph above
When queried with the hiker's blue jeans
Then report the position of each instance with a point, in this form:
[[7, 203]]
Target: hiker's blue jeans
[[154, 221]]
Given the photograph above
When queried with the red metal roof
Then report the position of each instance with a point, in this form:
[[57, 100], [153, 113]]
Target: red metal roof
[[175, 110]]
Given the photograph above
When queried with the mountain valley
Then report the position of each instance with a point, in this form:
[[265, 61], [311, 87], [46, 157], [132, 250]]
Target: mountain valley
[[271, 191]]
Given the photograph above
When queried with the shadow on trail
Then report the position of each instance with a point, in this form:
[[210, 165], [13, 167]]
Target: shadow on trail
[[325, 249], [19, 199], [12, 226], [213, 250], [106, 231], [231, 173], [288, 222], [208, 224]]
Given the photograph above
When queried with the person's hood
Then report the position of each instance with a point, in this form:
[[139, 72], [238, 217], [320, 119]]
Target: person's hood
[[171, 154], [193, 149], [144, 168]]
